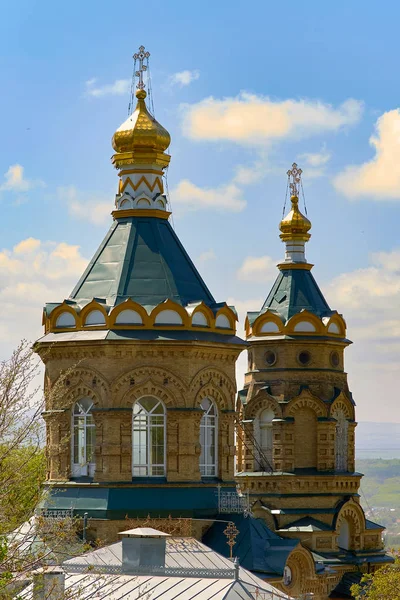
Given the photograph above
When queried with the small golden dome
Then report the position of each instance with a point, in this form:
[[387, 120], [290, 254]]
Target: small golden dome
[[295, 225], [140, 132]]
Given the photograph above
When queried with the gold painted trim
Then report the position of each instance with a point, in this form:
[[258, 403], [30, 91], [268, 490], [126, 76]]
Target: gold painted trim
[[146, 157], [144, 180], [140, 212], [295, 266], [139, 170]]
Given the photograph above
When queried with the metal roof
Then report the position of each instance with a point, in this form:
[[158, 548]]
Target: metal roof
[[145, 335], [192, 570], [114, 587], [257, 547], [141, 258], [306, 524], [293, 291]]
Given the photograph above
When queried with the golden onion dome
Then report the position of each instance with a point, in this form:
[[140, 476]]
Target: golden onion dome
[[295, 225], [140, 131]]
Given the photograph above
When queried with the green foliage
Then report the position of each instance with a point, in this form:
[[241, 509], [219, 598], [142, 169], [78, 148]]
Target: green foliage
[[22, 471], [380, 490], [384, 584]]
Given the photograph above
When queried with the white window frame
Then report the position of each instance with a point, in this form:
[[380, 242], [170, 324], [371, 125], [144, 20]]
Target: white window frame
[[260, 427], [145, 467], [208, 468], [83, 468]]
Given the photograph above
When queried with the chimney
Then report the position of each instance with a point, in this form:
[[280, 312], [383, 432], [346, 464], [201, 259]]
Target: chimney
[[48, 583], [143, 550]]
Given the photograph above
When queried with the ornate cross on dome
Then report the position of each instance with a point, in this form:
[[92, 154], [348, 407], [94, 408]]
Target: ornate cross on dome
[[294, 175], [141, 56]]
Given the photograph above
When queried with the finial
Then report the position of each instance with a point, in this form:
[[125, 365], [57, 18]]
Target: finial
[[294, 175], [294, 226], [141, 56]]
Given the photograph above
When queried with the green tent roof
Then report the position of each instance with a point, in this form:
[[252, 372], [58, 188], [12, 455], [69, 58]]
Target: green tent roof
[[141, 258], [293, 291]]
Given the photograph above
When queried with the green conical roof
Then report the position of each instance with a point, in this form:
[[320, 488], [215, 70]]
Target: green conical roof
[[141, 258], [293, 291]]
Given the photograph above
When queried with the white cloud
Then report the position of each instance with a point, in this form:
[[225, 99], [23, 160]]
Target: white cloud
[[316, 159], [249, 175], [251, 119], [188, 196], [32, 273], [257, 269], [378, 178], [369, 299], [85, 206], [206, 256], [16, 182], [314, 163], [184, 78], [118, 88]]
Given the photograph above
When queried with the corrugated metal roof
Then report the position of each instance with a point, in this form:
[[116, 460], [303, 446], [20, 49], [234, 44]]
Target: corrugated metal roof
[[114, 587], [184, 554]]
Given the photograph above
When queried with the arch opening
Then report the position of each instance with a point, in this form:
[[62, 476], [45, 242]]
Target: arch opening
[[208, 439], [148, 438], [344, 539], [264, 437], [83, 439]]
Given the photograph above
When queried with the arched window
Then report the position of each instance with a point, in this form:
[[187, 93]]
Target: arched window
[[265, 439], [148, 438], [341, 441], [208, 439], [344, 535], [83, 439]]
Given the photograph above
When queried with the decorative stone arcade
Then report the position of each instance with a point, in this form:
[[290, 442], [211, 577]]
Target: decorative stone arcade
[[296, 440], [140, 361]]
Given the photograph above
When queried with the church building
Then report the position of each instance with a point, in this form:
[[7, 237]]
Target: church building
[[143, 419], [296, 440], [139, 361]]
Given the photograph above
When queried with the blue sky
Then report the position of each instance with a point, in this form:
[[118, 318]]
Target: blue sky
[[329, 69]]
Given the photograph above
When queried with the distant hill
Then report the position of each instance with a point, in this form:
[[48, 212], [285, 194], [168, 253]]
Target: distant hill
[[377, 440]]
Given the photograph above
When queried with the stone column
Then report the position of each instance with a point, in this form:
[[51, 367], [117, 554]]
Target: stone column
[[351, 446], [226, 445], [183, 449], [113, 445], [284, 450], [246, 431], [326, 445], [58, 435]]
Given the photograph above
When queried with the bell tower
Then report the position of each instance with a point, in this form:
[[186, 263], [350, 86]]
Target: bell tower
[[139, 361], [297, 422]]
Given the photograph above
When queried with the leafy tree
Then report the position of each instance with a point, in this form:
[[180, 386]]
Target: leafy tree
[[384, 584], [27, 541]]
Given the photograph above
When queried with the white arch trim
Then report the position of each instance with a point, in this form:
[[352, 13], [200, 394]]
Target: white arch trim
[[168, 317], [95, 317], [65, 319], [222, 322], [269, 327], [305, 326], [128, 317]]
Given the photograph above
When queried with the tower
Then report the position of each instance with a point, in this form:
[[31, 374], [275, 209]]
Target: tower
[[297, 423], [139, 361]]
